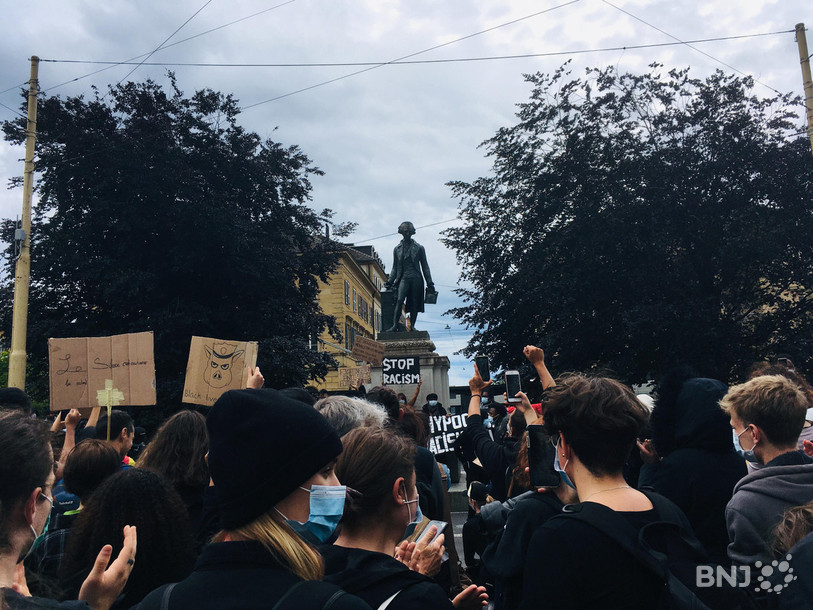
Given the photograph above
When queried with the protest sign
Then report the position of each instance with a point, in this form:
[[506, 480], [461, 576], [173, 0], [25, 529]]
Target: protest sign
[[349, 375], [443, 430], [80, 366], [401, 370], [216, 366], [367, 350]]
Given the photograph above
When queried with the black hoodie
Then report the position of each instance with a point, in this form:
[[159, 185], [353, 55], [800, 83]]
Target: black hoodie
[[374, 577], [699, 467]]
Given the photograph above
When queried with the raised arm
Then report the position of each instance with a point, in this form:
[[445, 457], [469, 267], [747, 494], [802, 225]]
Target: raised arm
[[412, 400], [537, 357]]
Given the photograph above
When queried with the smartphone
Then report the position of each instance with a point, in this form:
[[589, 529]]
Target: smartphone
[[482, 366], [441, 525], [541, 454], [512, 386]]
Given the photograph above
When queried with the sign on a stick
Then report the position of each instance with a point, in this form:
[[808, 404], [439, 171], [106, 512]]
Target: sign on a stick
[[349, 375], [367, 350], [216, 366], [79, 367]]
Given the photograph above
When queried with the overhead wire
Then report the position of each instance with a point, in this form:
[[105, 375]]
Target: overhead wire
[[687, 43], [177, 42], [429, 61], [440, 222], [207, 3], [357, 72]]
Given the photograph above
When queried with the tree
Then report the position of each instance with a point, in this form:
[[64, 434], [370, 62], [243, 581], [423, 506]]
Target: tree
[[636, 221], [160, 212]]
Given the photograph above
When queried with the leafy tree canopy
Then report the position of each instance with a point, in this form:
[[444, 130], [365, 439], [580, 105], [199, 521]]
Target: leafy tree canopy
[[160, 212], [636, 221]]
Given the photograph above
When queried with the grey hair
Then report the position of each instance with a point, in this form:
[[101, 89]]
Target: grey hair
[[345, 413]]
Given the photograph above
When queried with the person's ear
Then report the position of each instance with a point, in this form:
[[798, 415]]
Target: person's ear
[[757, 432], [397, 487], [30, 505], [564, 448]]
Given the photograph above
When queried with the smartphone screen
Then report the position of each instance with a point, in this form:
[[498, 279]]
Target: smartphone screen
[[482, 367], [541, 454], [512, 385], [441, 525]]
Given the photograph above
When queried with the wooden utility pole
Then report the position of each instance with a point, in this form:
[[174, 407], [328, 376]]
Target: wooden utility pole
[[807, 81], [22, 275]]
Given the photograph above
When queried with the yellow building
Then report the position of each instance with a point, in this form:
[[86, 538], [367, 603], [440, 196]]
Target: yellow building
[[353, 297]]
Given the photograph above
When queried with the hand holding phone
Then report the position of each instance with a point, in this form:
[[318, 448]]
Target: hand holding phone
[[512, 386], [482, 367]]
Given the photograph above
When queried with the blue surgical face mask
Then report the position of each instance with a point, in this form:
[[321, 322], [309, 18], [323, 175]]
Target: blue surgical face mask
[[747, 455], [326, 510], [483, 400], [433, 403], [413, 521], [489, 421], [561, 469]]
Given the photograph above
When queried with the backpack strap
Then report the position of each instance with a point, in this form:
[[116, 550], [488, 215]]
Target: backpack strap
[[387, 601], [165, 597], [309, 594]]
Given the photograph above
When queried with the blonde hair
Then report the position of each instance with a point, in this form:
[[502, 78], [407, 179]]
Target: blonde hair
[[771, 402], [283, 544]]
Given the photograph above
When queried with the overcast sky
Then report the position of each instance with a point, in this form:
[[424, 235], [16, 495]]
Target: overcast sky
[[389, 138]]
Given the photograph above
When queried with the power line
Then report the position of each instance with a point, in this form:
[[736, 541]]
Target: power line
[[440, 222], [220, 27], [23, 84], [207, 3], [719, 61], [333, 80], [12, 110], [427, 61]]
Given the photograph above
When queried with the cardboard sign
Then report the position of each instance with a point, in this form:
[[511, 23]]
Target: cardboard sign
[[368, 350], [79, 367], [349, 375], [401, 370], [443, 430], [216, 366]]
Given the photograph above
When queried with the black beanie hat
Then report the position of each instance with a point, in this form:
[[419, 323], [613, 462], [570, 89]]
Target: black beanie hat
[[262, 446]]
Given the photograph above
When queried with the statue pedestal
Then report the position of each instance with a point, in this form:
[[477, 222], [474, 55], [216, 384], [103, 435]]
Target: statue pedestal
[[434, 368]]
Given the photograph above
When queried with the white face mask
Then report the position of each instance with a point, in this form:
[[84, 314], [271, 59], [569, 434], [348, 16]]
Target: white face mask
[[433, 403]]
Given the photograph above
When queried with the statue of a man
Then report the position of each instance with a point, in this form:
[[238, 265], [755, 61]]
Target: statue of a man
[[409, 268]]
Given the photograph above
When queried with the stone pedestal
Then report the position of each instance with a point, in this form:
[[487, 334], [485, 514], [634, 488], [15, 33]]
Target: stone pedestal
[[434, 368]]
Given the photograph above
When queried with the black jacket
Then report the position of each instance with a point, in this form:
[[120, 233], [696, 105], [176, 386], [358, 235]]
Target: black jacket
[[699, 468], [505, 557], [374, 577], [240, 575], [497, 458]]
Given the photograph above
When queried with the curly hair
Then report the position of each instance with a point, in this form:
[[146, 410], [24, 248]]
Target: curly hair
[[178, 450], [131, 497], [599, 417], [795, 524]]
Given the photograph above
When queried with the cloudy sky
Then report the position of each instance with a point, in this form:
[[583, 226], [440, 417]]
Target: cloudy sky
[[388, 137]]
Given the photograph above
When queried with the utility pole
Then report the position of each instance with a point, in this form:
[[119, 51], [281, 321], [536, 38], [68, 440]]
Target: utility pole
[[22, 274], [807, 81]]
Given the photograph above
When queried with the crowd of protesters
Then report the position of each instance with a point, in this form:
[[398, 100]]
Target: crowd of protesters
[[274, 499]]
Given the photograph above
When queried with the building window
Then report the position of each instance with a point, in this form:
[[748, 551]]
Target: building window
[[377, 321], [346, 336], [346, 292], [354, 300]]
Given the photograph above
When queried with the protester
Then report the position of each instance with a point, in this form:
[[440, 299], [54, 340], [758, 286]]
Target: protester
[[178, 453], [26, 479], [593, 424], [695, 465], [88, 465], [272, 462], [475, 537], [432, 406], [14, 399], [378, 466], [388, 399], [122, 433], [767, 414], [345, 413]]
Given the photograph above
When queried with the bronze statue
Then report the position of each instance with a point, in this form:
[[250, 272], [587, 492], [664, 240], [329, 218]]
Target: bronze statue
[[409, 268]]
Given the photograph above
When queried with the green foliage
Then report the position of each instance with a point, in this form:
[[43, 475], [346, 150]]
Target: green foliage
[[636, 221], [160, 212]]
